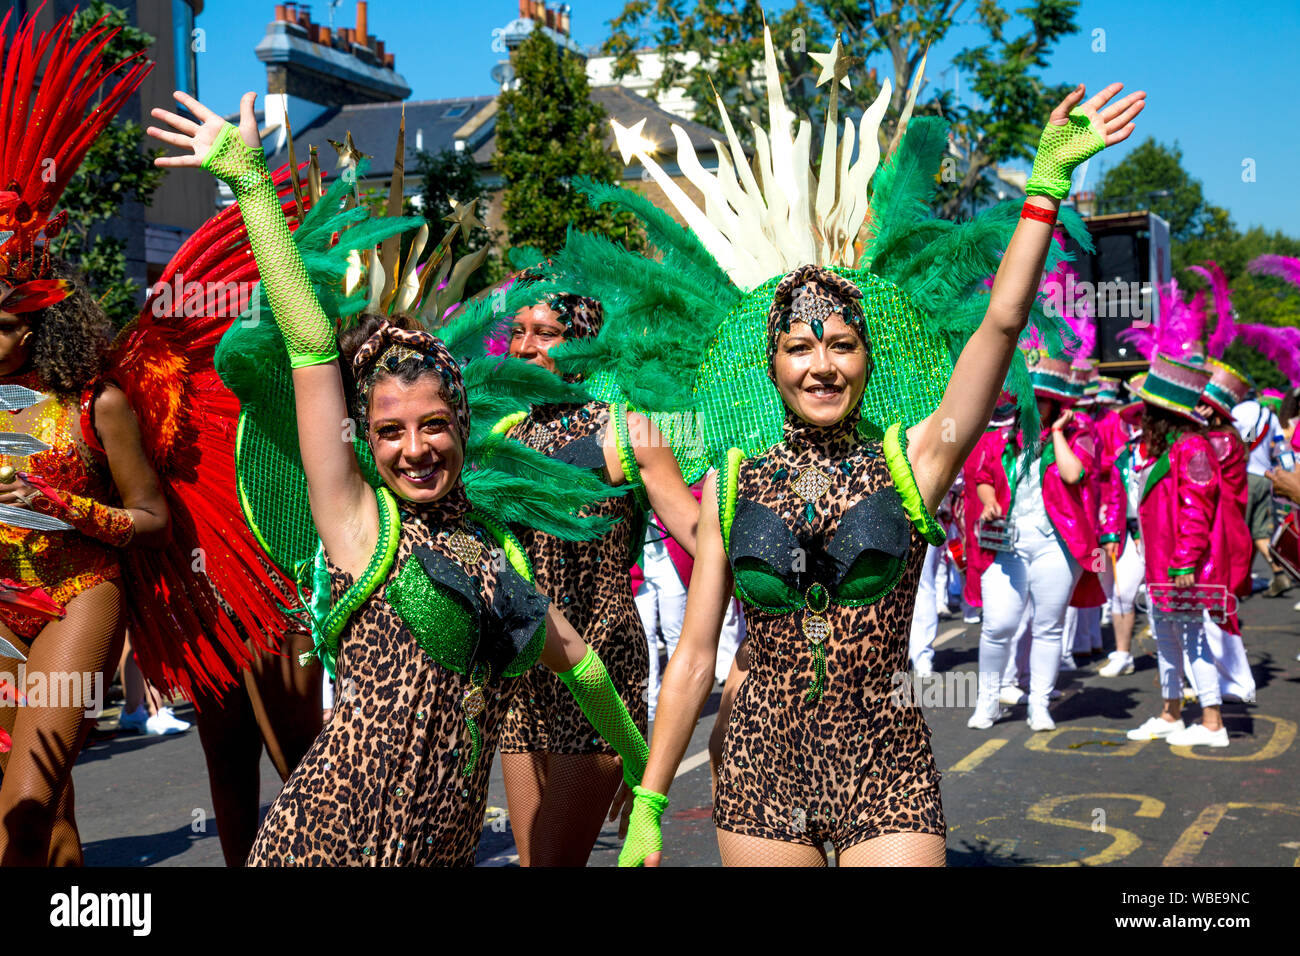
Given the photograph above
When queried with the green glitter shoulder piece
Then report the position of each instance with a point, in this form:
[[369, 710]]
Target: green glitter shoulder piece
[[381, 562], [728, 489], [900, 469], [618, 413]]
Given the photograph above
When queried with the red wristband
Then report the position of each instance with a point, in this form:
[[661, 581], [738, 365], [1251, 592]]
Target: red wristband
[[1030, 211]]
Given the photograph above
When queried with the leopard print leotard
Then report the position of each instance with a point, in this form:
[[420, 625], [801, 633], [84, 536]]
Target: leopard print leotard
[[383, 785], [589, 581], [855, 763]]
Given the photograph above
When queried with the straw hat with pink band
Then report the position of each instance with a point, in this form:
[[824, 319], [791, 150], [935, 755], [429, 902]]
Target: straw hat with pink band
[[1174, 386], [1226, 388]]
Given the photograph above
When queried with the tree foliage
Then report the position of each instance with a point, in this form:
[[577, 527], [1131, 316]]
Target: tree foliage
[[116, 170], [717, 43], [548, 131]]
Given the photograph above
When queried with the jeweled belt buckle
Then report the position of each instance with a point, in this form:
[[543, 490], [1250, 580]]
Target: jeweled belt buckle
[[474, 701], [816, 628], [997, 534]]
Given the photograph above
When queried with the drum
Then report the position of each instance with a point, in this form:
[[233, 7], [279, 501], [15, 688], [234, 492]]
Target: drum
[[1191, 602], [1284, 548], [996, 534]]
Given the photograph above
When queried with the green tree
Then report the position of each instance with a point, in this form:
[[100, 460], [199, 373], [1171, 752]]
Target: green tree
[[116, 170], [548, 131], [1152, 177], [718, 42]]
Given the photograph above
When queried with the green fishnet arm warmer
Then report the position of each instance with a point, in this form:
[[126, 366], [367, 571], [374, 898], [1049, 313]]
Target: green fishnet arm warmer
[[1060, 150], [308, 333], [590, 684], [643, 833]]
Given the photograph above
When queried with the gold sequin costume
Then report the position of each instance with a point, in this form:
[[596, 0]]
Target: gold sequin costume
[[63, 563]]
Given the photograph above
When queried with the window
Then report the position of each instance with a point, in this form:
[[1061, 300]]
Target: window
[[187, 67], [456, 111]]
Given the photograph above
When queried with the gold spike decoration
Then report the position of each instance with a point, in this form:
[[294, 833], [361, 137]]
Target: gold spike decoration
[[313, 177], [293, 168], [764, 218], [390, 250]]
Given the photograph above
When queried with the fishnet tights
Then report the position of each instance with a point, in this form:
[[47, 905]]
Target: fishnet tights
[[558, 804], [37, 822], [890, 849]]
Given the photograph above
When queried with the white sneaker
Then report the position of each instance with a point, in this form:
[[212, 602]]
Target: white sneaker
[[972, 618], [135, 721], [1040, 719], [986, 716], [1155, 728], [1198, 735], [1012, 696], [1054, 694], [1120, 663], [164, 722], [1068, 663]]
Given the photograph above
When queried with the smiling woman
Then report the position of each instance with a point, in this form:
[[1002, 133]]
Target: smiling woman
[[433, 613]]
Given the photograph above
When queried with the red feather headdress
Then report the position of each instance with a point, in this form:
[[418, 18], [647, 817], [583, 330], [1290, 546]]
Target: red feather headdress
[[44, 135]]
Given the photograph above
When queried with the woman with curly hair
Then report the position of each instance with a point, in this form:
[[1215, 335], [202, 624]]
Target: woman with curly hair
[[77, 486]]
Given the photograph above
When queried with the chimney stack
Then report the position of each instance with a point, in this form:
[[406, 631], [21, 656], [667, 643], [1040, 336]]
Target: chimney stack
[[280, 15], [363, 24]]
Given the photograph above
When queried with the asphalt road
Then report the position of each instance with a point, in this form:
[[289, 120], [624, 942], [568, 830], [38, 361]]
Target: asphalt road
[[1082, 794]]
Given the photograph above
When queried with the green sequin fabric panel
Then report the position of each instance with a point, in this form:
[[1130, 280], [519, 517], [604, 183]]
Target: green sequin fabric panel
[[438, 618], [739, 406], [680, 429]]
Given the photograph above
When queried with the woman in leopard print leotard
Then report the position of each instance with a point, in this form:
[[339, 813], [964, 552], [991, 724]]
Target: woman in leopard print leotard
[[560, 777], [434, 614], [823, 536]]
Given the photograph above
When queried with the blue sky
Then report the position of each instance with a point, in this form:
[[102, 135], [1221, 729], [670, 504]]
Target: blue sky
[[1221, 78]]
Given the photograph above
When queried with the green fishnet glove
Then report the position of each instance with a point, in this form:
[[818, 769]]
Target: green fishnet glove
[[308, 333], [1060, 150], [643, 833], [589, 682]]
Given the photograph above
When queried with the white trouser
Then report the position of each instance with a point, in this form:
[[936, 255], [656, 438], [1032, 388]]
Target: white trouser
[[730, 638], [326, 691], [1173, 638], [1230, 661], [941, 576], [1016, 672], [925, 615], [1038, 573], [1129, 571], [661, 602]]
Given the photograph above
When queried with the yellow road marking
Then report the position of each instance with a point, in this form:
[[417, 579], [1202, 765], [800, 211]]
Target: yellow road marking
[[979, 755], [1283, 736], [1195, 836], [1124, 841], [1042, 741]]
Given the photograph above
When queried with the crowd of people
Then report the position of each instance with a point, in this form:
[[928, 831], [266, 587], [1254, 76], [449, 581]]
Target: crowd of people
[[365, 495]]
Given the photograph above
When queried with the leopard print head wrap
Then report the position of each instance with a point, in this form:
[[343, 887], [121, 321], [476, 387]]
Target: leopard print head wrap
[[581, 316], [389, 348], [810, 294]]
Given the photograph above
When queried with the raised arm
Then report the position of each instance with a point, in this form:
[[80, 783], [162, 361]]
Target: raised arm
[[342, 504], [938, 445]]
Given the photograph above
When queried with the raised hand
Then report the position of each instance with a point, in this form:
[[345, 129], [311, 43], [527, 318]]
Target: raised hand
[[1113, 123], [185, 134], [1078, 129]]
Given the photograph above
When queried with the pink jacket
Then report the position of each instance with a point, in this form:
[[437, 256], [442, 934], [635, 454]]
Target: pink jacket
[[1179, 514], [1230, 451], [987, 449], [1111, 436], [1067, 506]]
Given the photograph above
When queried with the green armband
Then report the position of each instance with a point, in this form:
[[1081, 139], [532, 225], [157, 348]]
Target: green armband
[[590, 684], [1060, 150], [627, 455], [644, 834], [308, 332]]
